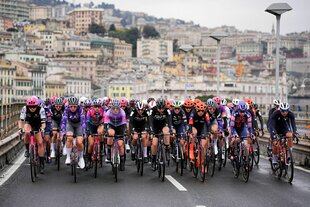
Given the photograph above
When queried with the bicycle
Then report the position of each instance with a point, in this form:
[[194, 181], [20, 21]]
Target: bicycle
[[115, 157], [179, 155], [74, 159], [58, 153], [161, 156], [222, 151], [33, 156], [139, 149], [96, 154], [241, 160], [285, 164], [254, 152]]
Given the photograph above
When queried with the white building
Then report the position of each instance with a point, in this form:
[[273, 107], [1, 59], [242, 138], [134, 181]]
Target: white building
[[77, 86], [154, 48], [71, 43], [7, 82], [23, 57], [249, 49]]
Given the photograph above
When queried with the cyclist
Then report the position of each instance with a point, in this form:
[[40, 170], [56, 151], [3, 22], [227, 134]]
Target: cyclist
[[235, 102], [32, 118], [260, 118], [276, 105], [139, 123], [188, 107], [94, 125], [127, 109], [282, 122], [47, 130], [199, 126], [73, 124], [57, 109], [160, 122], [86, 105], [240, 126], [179, 122], [115, 125]]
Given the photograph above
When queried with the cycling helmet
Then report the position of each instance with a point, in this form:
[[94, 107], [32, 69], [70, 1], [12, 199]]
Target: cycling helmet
[[47, 101], [32, 101], [161, 103], [58, 101], [196, 101], [115, 103], [144, 101], [235, 102], [255, 106], [211, 103], [276, 102], [97, 102], [152, 103], [242, 106], [201, 106], [230, 105], [248, 101], [52, 99], [176, 104], [82, 100], [284, 106], [73, 101], [223, 102], [41, 102], [123, 102], [88, 103], [139, 105], [168, 103], [150, 99], [132, 103], [188, 103], [217, 100]]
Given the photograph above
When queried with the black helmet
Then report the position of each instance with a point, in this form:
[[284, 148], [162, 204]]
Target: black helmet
[[73, 101], [160, 103]]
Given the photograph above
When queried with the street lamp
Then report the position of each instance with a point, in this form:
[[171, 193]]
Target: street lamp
[[303, 83], [277, 9], [186, 49], [218, 36], [163, 59]]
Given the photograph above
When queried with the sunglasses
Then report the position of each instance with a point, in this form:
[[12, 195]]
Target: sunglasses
[[73, 106], [59, 106], [283, 111], [96, 106], [188, 107], [176, 108], [161, 108], [32, 107], [200, 110]]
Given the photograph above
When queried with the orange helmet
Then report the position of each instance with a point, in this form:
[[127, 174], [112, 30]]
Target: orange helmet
[[196, 101], [167, 103], [201, 106], [188, 103], [249, 101]]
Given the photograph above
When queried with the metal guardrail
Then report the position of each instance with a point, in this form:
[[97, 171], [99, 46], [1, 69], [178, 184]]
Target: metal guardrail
[[9, 115]]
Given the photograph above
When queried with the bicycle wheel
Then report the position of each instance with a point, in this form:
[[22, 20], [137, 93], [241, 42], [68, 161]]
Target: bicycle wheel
[[212, 161], [32, 163], [256, 152], [162, 164], [220, 157], [225, 154], [289, 166], [195, 164], [251, 157], [202, 167], [115, 169], [96, 151], [245, 164], [182, 159], [58, 155]]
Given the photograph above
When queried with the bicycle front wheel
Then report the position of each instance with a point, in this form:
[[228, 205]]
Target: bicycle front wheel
[[245, 165], [161, 164], [256, 151], [96, 160], [289, 166], [32, 161], [202, 167]]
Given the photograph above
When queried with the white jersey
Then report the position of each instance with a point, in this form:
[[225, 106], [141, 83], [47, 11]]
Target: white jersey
[[228, 114]]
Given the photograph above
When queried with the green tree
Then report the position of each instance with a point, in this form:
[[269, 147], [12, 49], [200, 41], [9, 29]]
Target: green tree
[[96, 29], [112, 28], [150, 32]]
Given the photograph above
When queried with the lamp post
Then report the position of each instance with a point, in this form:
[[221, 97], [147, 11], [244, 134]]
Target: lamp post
[[218, 36], [162, 59], [186, 49], [277, 9], [303, 86]]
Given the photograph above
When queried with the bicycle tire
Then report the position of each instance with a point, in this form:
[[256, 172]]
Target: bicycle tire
[[251, 157], [245, 165], [225, 155], [181, 154], [202, 166], [212, 162], [195, 164], [142, 159], [96, 160], [289, 166], [256, 151], [58, 155], [162, 164], [220, 158], [32, 163]]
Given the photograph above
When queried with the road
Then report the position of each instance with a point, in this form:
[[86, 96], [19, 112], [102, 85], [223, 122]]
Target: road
[[58, 189]]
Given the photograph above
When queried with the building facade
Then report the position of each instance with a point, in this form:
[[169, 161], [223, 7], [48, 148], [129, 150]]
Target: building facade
[[155, 48], [7, 82], [15, 9]]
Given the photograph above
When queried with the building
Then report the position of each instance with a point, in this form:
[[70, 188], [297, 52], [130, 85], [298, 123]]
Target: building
[[75, 86], [209, 53], [37, 72], [71, 43], [154, 48], [5, 23], [15, 9], [287, 42], [54, 87], [121, 49], [307, 49], [120, 88], [81, 18], [25, 57], [23, 88], [7, 82], [39, 12], [249, 49]]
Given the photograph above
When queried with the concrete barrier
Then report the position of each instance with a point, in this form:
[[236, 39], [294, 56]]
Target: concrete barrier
[[9, 148]]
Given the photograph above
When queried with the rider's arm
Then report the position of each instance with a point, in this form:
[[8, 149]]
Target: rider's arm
[[64, 123], [169, 119], [43, 118], [249, 123], [131, 121], [232, 124], [83, 122], [151, 120], [260, 117]]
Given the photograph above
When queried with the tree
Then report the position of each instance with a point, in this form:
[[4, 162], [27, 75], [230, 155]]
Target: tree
[[96, 29], [112, 28], [150, 31]]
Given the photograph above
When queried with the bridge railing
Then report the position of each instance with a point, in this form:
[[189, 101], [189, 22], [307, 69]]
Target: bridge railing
[[9, 116]]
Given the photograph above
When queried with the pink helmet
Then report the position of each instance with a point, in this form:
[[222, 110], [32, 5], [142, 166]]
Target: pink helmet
[[124, 102], [230, 105], [217, 100], [32, 101]]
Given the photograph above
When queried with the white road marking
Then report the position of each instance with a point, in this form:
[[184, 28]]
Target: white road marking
[[175, 183], [9, 172], [200, 206]]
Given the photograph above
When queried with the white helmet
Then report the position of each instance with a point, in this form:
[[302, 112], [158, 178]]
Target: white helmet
[[223, 101], [82, 100], [284, 106], [235, 101], [152, 104], [276, 102]]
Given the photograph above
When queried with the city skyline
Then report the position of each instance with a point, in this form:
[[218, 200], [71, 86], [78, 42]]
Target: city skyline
[[243, 14]]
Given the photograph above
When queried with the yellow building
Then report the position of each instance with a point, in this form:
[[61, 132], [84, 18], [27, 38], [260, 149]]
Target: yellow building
[[119, 89], [32, 27], [54, 88], [81, 18]]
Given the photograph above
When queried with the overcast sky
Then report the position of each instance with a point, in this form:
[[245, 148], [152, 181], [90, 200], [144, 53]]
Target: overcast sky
[[244, 14]]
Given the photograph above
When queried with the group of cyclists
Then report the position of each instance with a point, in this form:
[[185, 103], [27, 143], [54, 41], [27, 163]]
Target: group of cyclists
[[75, 121]]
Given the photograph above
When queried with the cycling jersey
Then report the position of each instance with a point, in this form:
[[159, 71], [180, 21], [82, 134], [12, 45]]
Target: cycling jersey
[[73, 121], [241, 124], [116, 121], [138, 122], [94, 119], [35, 119], [280, 124], [159, 120], [201, 123], [48, 127], [216, 118], [179, 122]]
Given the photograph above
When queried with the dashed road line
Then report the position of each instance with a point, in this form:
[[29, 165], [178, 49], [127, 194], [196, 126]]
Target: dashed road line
[[176, 183]]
